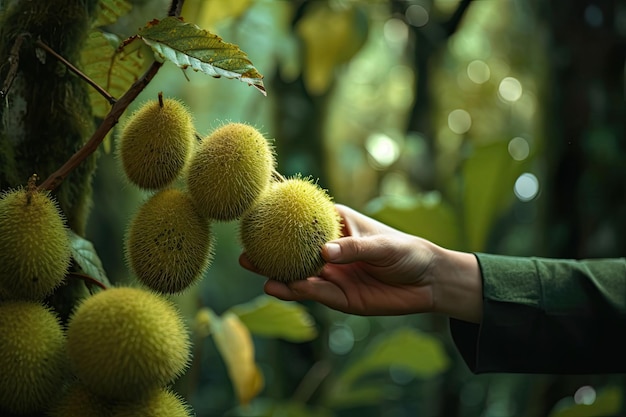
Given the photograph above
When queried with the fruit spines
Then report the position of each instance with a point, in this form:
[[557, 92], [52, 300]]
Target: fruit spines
[[156, 143], [33, 362], [35, 249], [125, 342], [161, 402], [169, 246], [229, 170], [283, 233]]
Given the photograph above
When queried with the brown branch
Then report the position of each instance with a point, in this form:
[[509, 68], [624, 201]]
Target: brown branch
[[104, 93], [14, 60], [111, 119]]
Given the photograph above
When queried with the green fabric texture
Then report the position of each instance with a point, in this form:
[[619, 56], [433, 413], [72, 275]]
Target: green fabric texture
[[547, 316]]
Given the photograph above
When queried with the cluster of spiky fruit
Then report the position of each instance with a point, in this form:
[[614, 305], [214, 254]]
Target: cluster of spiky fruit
[[117, 354], [229, 175], [34, 258]]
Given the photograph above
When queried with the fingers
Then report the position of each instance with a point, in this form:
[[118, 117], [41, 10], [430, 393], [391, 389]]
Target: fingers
[[352, 249], [313, 288]]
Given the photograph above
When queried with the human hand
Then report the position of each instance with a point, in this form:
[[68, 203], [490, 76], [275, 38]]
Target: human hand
[[375, 269]]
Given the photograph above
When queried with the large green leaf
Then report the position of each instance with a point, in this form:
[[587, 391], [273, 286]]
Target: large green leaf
[[267, 316], [489, 177], [408, 349], [426, 216], [188, 46], [113, 70], [109, 11]]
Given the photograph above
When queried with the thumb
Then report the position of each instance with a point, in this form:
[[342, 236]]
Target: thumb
[[351, 249]]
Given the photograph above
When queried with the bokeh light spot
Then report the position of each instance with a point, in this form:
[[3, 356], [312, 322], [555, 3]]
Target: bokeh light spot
[[340, 339], [526, 187], [519, 149], [478, 71], [459, 121], [395, 31], [384, 150], [510, 89], [594, 16], [585, 395], [417, 15]]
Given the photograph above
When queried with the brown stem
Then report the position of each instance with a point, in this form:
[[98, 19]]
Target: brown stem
[[160, 99], [111, 119], [104, 93], [87, 279], [14, 60]]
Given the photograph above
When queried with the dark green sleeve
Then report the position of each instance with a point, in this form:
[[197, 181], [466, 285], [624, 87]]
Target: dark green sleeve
[[547, 316]]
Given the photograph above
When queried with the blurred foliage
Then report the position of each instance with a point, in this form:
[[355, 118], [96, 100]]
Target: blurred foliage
[[457, 121]]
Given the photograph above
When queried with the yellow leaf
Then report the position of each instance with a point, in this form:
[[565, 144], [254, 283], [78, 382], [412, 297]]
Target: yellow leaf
[[234, 342], [209, 12], [331, 36]]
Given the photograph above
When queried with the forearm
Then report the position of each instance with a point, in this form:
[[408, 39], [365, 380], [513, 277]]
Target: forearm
[[457, 285], [547, 316]]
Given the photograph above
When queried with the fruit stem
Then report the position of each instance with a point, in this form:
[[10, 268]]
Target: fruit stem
[[278, 176], [161, 99], [76, 71]]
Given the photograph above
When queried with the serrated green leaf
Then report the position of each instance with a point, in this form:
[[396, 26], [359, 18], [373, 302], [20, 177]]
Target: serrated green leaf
[[408, 349], [188, 46], [267, 316], [86, 258], [109, 11], [113, 70]]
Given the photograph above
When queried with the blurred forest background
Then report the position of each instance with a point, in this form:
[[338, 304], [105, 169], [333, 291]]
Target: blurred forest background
[[488, 125]]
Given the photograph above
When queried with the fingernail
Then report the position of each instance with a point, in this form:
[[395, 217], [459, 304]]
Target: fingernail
[[333, 250]]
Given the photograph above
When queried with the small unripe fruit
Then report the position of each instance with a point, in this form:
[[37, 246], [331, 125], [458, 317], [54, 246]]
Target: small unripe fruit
[[125, 342], [229, 170], [34, 244], [169, 246], [161, 403], [32, 358], [156, 143], [78, 401], [283, 233]]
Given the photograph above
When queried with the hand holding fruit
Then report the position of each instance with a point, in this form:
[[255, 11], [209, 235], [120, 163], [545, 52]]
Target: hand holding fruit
[[377, 270]]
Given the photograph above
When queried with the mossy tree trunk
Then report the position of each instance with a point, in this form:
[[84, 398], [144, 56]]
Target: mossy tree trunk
[[45, 112]]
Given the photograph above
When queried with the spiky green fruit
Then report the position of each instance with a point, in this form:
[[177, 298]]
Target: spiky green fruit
[[34, 244], [229, 170], [156, 143], [32, 358], [124, 342], [160, 403], [283, 233], [78, 401], [169, 246]]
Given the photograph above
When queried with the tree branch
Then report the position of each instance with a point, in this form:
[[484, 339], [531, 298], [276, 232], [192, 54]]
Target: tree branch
[[111, 119], [76, 71], [455, 20], [14, 60]]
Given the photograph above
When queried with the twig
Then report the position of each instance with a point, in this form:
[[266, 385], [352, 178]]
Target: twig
[[104, 93], [87, 279], [14, 60], [111, 119]]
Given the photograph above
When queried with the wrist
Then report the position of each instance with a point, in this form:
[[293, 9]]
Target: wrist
[[457, 285]]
